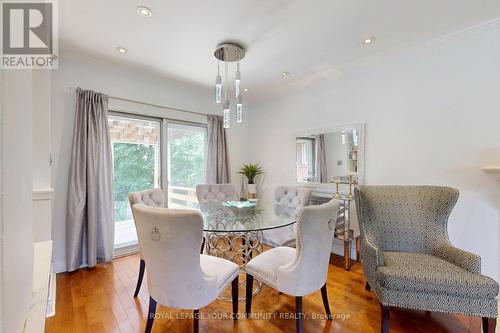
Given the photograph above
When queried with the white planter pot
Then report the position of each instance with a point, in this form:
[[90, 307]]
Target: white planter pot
[[252, 188]]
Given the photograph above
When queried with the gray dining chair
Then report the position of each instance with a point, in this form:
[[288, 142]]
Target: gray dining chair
[[288, 201], [178, 275], [302, 270], [212, 195], [409, 261], [152, 198]]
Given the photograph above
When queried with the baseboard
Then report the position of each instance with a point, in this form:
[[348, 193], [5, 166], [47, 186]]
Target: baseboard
[[124, 251], [51, 302], [59, 266], [42, 258]]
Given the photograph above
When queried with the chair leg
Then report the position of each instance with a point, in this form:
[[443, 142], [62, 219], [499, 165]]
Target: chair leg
[[234, 292], [385, 313], [358, 249], [142, 266], [151, 315], [298, 310], [249, 292], [367, 286], [324, 296], [202, 245], [196, 321], [489, 325]]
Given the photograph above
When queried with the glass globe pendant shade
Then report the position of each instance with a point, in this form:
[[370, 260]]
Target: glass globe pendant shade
[[226, 114], [237, 83], [218, 89], [239, 110]]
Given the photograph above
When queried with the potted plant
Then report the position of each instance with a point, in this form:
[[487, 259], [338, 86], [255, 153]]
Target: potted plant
[[251, 171]]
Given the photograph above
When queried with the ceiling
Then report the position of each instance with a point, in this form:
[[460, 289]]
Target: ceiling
[[303, 37]]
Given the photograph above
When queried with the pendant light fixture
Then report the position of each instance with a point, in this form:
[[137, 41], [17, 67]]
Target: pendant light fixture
[[226, 112], [218, 85], [239, 109], [237, 80], [229, 53]]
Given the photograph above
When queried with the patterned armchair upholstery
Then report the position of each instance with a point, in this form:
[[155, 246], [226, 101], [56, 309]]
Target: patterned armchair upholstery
[[409, 260], [213, 195], [288, 201]]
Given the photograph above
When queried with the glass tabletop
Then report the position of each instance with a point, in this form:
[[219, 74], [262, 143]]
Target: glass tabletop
[[242, 218]]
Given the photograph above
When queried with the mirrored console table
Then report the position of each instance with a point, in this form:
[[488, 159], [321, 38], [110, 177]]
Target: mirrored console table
[[344, 231]]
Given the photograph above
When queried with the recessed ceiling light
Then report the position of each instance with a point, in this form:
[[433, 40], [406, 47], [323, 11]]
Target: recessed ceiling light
[[245, 90], [285, 74], [369, 40], [144, 11], [121, 49]]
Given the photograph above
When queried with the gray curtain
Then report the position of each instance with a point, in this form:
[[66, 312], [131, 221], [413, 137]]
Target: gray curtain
[[89, 215], [321, 176], [217, 156]]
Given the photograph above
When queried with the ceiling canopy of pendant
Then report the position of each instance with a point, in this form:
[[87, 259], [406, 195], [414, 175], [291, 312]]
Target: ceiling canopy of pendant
[[229, 52]]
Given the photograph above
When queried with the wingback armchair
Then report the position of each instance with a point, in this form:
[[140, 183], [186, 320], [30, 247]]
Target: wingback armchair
[[409, 260]]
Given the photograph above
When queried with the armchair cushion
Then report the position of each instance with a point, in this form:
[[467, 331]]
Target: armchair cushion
[[264, 267], [417, 272], [224, 270]]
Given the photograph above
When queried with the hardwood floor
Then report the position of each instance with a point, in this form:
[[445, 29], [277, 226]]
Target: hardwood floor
[[101, 300]]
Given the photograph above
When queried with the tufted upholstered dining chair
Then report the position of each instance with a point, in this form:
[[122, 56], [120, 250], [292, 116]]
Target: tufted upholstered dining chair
[[408, 259], [302, 270], [210, 196], [178, 275], [288, 200], [152, 198]]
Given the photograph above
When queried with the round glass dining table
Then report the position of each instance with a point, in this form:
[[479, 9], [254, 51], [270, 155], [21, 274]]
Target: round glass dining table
[[235, 233]]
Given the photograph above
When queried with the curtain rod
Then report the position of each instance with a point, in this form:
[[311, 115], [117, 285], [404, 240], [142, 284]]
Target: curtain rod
[[73, 89]]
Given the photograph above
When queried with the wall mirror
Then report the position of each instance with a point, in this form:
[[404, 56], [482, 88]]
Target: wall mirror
[[329, 154]]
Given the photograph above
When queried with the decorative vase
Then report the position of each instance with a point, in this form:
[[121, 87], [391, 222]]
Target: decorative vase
[[252, 189], [242, 191]]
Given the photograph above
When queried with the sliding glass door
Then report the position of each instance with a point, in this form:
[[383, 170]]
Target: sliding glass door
[[149, 153], [136, 166], [186, 163]]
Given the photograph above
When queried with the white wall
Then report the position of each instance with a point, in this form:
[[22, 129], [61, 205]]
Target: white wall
[[118, 81], [432, 116], [17, 237], [42, 191]]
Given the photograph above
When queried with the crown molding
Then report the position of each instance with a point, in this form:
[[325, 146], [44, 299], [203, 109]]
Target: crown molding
[[493, 171], [384, 57]]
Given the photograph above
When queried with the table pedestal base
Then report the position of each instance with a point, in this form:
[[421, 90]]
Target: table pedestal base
[[240, 248]]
